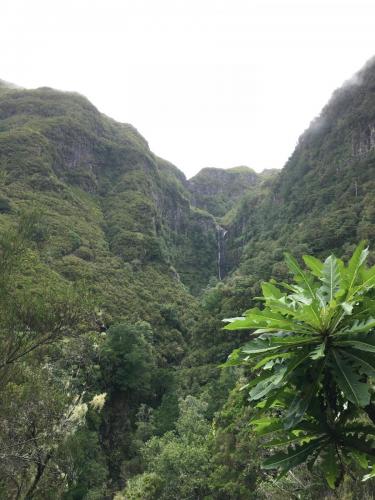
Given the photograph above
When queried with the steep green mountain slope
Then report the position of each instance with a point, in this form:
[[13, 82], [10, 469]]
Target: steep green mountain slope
[[117, 220], [323, 198], [56, 148]]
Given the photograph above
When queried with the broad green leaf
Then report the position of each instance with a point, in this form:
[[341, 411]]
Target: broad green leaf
[[358, 258], [365, 308], [309, 313], [262, 389], [262, 345], [360, 326], [370, 475], [365, 361], [260, 331], [257, 379], [232, 320], [265, 386], [282, 306], [270, 291], [296, 361], [234, 359], [293, 340], [321, 300], [261, 319], [347, 307], [280, 355], [330, 465], [273, 401], [310, 461], [267, 425], [258, 346], [293, 457], [265, 316], [348, 381], [290, 439], [312, 427], [360, 458], [300, 298], [358, 429], [302, 277], [318, 352], [301, 401], [360, 342], [292, 287], [241, 325], [368, 281], [360, 443], [314, 265], [331, 278], [297, 410]]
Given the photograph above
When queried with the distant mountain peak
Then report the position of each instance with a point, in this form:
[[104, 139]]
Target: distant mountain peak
[[217, 190]]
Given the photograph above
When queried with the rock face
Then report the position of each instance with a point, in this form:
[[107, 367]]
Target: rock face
[[216, 190], [56, 145]]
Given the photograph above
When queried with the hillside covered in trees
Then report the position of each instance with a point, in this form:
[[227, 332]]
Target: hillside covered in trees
[[116, 273]]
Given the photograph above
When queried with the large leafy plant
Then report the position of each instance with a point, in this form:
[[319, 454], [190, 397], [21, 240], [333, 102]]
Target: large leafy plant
[[312, 359]]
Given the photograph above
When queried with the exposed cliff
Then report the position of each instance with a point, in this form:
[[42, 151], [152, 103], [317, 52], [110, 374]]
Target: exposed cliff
[[57, 148]]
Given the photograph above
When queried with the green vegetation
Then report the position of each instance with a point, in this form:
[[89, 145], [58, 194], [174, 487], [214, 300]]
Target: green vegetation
[[182, 453], [313, 359], [43, 317], [217, 190], [114, 371]]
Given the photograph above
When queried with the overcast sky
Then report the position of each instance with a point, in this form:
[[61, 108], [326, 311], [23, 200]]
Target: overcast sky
[[215, 83]]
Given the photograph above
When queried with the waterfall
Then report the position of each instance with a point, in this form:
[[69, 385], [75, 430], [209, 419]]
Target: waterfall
[[220, 232]]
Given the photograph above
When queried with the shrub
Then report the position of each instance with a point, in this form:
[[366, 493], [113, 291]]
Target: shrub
[[312, 357]]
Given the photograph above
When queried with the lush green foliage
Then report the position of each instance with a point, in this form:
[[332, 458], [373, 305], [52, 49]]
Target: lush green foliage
[[177, 464], [313, 357], [127, 358], [115, 225], [217, 190], [110, 365], [43, 319]]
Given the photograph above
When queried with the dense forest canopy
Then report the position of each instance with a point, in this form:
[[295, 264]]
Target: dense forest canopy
[[116, 273]]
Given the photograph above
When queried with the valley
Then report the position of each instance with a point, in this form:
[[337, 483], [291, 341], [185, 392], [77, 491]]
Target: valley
[[116, 273]]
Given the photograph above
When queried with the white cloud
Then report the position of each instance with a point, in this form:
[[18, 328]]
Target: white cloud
[[207, 82]]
